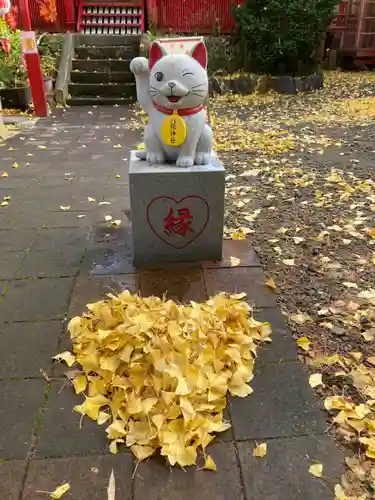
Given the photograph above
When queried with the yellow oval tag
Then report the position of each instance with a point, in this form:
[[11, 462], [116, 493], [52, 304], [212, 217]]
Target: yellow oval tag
[[173, 130]]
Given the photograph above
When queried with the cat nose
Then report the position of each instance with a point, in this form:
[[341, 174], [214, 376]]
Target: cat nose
[[171, 85]]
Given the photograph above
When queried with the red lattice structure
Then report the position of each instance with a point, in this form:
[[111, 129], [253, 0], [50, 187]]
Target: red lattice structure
[[111, 18]]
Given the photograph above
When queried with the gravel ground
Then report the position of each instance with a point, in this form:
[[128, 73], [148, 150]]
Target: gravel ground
[[301, 185]]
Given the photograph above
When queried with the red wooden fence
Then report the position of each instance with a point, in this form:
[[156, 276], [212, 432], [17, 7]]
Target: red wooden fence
[[192, 16]]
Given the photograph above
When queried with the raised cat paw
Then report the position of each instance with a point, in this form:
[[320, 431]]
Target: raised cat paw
[[155, 158], [202, 159], [139, 65], [185, 161]]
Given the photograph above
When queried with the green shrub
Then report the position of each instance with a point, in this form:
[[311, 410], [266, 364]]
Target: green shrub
[[12, 70], [283, 36]]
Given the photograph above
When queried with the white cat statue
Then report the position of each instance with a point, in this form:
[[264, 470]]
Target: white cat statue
[[172, 88]]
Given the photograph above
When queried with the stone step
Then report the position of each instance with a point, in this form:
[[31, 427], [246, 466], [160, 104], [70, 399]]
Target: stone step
[[101, 77], [106, 52], [107, 40], [99, 101], [104, 89], [101, 65]]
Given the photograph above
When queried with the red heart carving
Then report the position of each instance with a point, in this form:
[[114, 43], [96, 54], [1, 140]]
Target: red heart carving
[[178, 222]]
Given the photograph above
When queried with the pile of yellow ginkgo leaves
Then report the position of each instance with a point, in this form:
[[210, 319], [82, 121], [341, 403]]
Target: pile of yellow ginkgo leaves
[[159, 372]]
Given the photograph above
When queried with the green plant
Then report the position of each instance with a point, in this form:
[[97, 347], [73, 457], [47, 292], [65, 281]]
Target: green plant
[[12, 70], [283, 36], [48, 63]]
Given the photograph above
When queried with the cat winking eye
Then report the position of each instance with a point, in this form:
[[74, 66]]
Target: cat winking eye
[[188, 73]]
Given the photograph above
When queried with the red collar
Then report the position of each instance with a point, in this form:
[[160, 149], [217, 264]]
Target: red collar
[[181, 112]]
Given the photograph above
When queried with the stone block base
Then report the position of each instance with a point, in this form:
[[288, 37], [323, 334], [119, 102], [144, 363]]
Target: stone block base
[[177, 213]]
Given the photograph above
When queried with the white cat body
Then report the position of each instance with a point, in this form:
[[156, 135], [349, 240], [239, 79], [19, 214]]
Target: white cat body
[[174, 83]]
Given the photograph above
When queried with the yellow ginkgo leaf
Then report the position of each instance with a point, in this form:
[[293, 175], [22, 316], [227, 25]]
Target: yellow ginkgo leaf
[[91, 200], [42, 147], [67, 357], [260, 450], [304, 343], [116, 222], [234, 261], [142, 452], [340, 493], [300, 319], [209, 464], [4, 174], [60, 491], [271, 283], [316, 470], [64, 208], [15, 165], [108, 218], [117, 176], [80, 384], [3, 203], [315, 379], [288, 262]]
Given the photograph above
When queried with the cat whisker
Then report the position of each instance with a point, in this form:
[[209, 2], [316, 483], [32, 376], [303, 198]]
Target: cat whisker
[[199, 85], [199, 95]]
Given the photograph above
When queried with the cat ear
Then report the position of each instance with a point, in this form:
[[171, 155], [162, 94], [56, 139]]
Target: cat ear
[[199, 53], [156, 53]]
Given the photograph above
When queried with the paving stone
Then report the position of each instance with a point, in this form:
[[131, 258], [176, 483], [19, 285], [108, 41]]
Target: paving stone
[[36, 299], [70, 219], [250, 280], [88, 477], [11, 476], [283, 346], [282, 405], [283, 472], [154, 480], [17, 239], [94, 288], [24, 220], [241, 249], [62, 432], [180, 285], [21, 401], [4, 285], [9, 263], [61, 237], [56, 262], [25, 348], [112, 260], [111, 236]]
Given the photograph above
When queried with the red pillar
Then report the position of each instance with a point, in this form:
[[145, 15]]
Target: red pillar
[[32, 61], [70, 15]]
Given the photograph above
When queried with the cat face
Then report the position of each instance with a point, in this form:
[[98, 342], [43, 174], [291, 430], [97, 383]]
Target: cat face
[[178, 81]]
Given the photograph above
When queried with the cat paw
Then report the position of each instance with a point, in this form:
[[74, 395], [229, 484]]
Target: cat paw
[[185, 161], [155, 158], [139, 65], [202, 159]]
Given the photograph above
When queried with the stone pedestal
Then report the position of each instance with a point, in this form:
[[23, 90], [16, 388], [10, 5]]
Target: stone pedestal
[[177, 213]]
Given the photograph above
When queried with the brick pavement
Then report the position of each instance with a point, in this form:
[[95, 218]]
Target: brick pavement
[[52, 263]]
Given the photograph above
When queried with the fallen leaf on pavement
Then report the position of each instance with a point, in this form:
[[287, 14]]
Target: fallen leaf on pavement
[[234, 261], [260, 450], [316, 470]]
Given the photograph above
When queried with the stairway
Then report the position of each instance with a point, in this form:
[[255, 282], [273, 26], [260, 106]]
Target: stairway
[[100, 70]]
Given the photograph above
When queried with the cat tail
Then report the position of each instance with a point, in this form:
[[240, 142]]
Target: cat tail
[[141, 155]]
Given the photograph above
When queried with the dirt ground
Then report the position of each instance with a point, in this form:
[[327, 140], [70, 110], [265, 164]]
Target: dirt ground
[[301, 186]]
